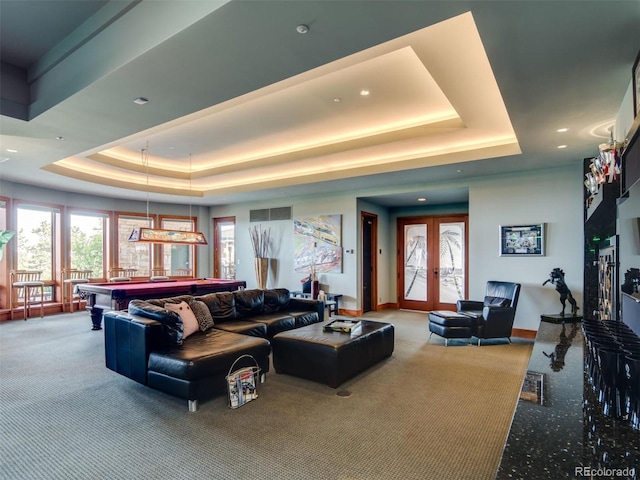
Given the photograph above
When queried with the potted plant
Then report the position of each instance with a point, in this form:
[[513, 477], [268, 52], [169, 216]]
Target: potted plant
[[5, 236]]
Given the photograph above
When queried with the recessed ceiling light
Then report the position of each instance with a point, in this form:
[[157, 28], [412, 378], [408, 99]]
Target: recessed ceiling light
[[562, 130], [140, 100], [364, 93], [337, 100], [422, 199], [302, 28], [562, 146], [12, 150], [4, 159], [59, 138]]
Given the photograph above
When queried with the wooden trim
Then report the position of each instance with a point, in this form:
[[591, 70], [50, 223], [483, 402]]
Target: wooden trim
[[522, 333]]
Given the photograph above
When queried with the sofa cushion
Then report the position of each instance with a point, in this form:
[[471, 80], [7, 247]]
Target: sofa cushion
[[189, 321], [275, 322], [304, 318], [222, 306], [249, 303], [276, 300], [203, 356], [496, 302], [203, 315], [171, 322], [245, 327]]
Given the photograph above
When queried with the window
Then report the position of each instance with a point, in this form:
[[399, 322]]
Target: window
[[88, 234], [38, 242], [178, 259], [133, 254], [36, 228]]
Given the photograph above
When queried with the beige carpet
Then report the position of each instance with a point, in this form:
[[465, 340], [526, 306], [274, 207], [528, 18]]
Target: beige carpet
[[427, 412]]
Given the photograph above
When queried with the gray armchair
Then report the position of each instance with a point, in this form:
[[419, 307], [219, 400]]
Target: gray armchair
[[494, 316]]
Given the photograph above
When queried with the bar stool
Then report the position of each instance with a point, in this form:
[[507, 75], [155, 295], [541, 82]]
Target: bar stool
[[70, 278], [118, 274], [158, 274], [27, 280], [183, 272]]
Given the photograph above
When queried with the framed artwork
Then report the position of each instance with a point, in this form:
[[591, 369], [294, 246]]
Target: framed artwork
[[522, 240], [318, 244], [635, 72]]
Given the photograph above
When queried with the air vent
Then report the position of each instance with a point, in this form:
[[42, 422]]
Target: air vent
[[259, 215], [270, 214]]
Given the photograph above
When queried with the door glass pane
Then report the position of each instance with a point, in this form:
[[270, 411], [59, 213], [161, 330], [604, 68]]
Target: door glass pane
[[452, 265], [227, 250], [88, 234], [415, 262]]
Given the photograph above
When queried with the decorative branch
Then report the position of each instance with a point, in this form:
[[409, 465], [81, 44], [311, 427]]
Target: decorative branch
[[260, 241]]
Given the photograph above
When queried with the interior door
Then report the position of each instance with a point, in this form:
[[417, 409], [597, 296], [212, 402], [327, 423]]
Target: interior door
[[369, 261], [432, 259]]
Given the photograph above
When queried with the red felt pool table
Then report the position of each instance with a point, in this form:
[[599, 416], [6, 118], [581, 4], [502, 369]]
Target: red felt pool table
[[116, 296]]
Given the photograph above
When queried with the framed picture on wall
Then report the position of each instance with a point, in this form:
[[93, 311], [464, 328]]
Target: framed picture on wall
[[522, 240]]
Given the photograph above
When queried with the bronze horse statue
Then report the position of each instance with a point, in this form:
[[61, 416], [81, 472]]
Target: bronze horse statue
[[556, 277]]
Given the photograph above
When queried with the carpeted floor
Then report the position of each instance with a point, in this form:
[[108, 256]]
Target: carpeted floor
[[427, 412]]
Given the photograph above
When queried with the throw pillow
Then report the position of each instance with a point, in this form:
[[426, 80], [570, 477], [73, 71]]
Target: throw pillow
[[186, 314], [203, 315]]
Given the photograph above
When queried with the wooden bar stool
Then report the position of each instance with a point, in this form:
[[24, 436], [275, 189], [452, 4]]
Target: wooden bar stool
[[70, 278], [27, 280], [183, 272], [118, 274], [158, 274]]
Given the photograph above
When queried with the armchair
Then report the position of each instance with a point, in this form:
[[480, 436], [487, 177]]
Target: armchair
[[493, 317]]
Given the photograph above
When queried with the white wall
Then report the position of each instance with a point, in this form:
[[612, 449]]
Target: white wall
[[553, 197]]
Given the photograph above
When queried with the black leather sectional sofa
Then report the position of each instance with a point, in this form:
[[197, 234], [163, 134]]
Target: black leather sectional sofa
[[146, 342]]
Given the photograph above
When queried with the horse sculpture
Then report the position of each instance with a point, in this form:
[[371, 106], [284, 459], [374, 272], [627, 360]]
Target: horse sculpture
[[556, 277]]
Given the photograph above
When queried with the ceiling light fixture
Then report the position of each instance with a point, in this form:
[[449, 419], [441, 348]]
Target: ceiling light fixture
[[59, 138], [160, 235], [12, 150], [422, 199], [302, 29], [562, 146], [364, 93], [562, 130], [140, 100]]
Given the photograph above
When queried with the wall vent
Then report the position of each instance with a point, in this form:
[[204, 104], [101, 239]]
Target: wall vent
[[270, 214]]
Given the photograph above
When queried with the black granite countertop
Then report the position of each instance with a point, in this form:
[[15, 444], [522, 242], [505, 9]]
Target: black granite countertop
[[559, 430]]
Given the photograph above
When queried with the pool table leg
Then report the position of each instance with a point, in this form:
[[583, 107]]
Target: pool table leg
[[96, 317]]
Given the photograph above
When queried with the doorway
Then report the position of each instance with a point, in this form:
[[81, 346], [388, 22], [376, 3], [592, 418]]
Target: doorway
[[432, 260], [369, 230], [224, 253]]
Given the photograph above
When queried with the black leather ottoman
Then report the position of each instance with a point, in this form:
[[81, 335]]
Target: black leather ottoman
[[450, 325], [331, 357]]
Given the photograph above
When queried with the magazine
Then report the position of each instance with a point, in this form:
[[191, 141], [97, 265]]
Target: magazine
[[344, 326]]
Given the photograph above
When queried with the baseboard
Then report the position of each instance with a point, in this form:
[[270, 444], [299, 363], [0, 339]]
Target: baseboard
[[522, 333]]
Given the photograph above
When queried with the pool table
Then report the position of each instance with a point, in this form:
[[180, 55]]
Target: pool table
[[116, 296]]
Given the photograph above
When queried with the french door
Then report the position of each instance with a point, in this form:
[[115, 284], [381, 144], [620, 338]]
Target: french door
[[432, 261]]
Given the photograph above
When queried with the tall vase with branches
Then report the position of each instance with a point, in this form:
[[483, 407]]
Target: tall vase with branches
[[260, 240]]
